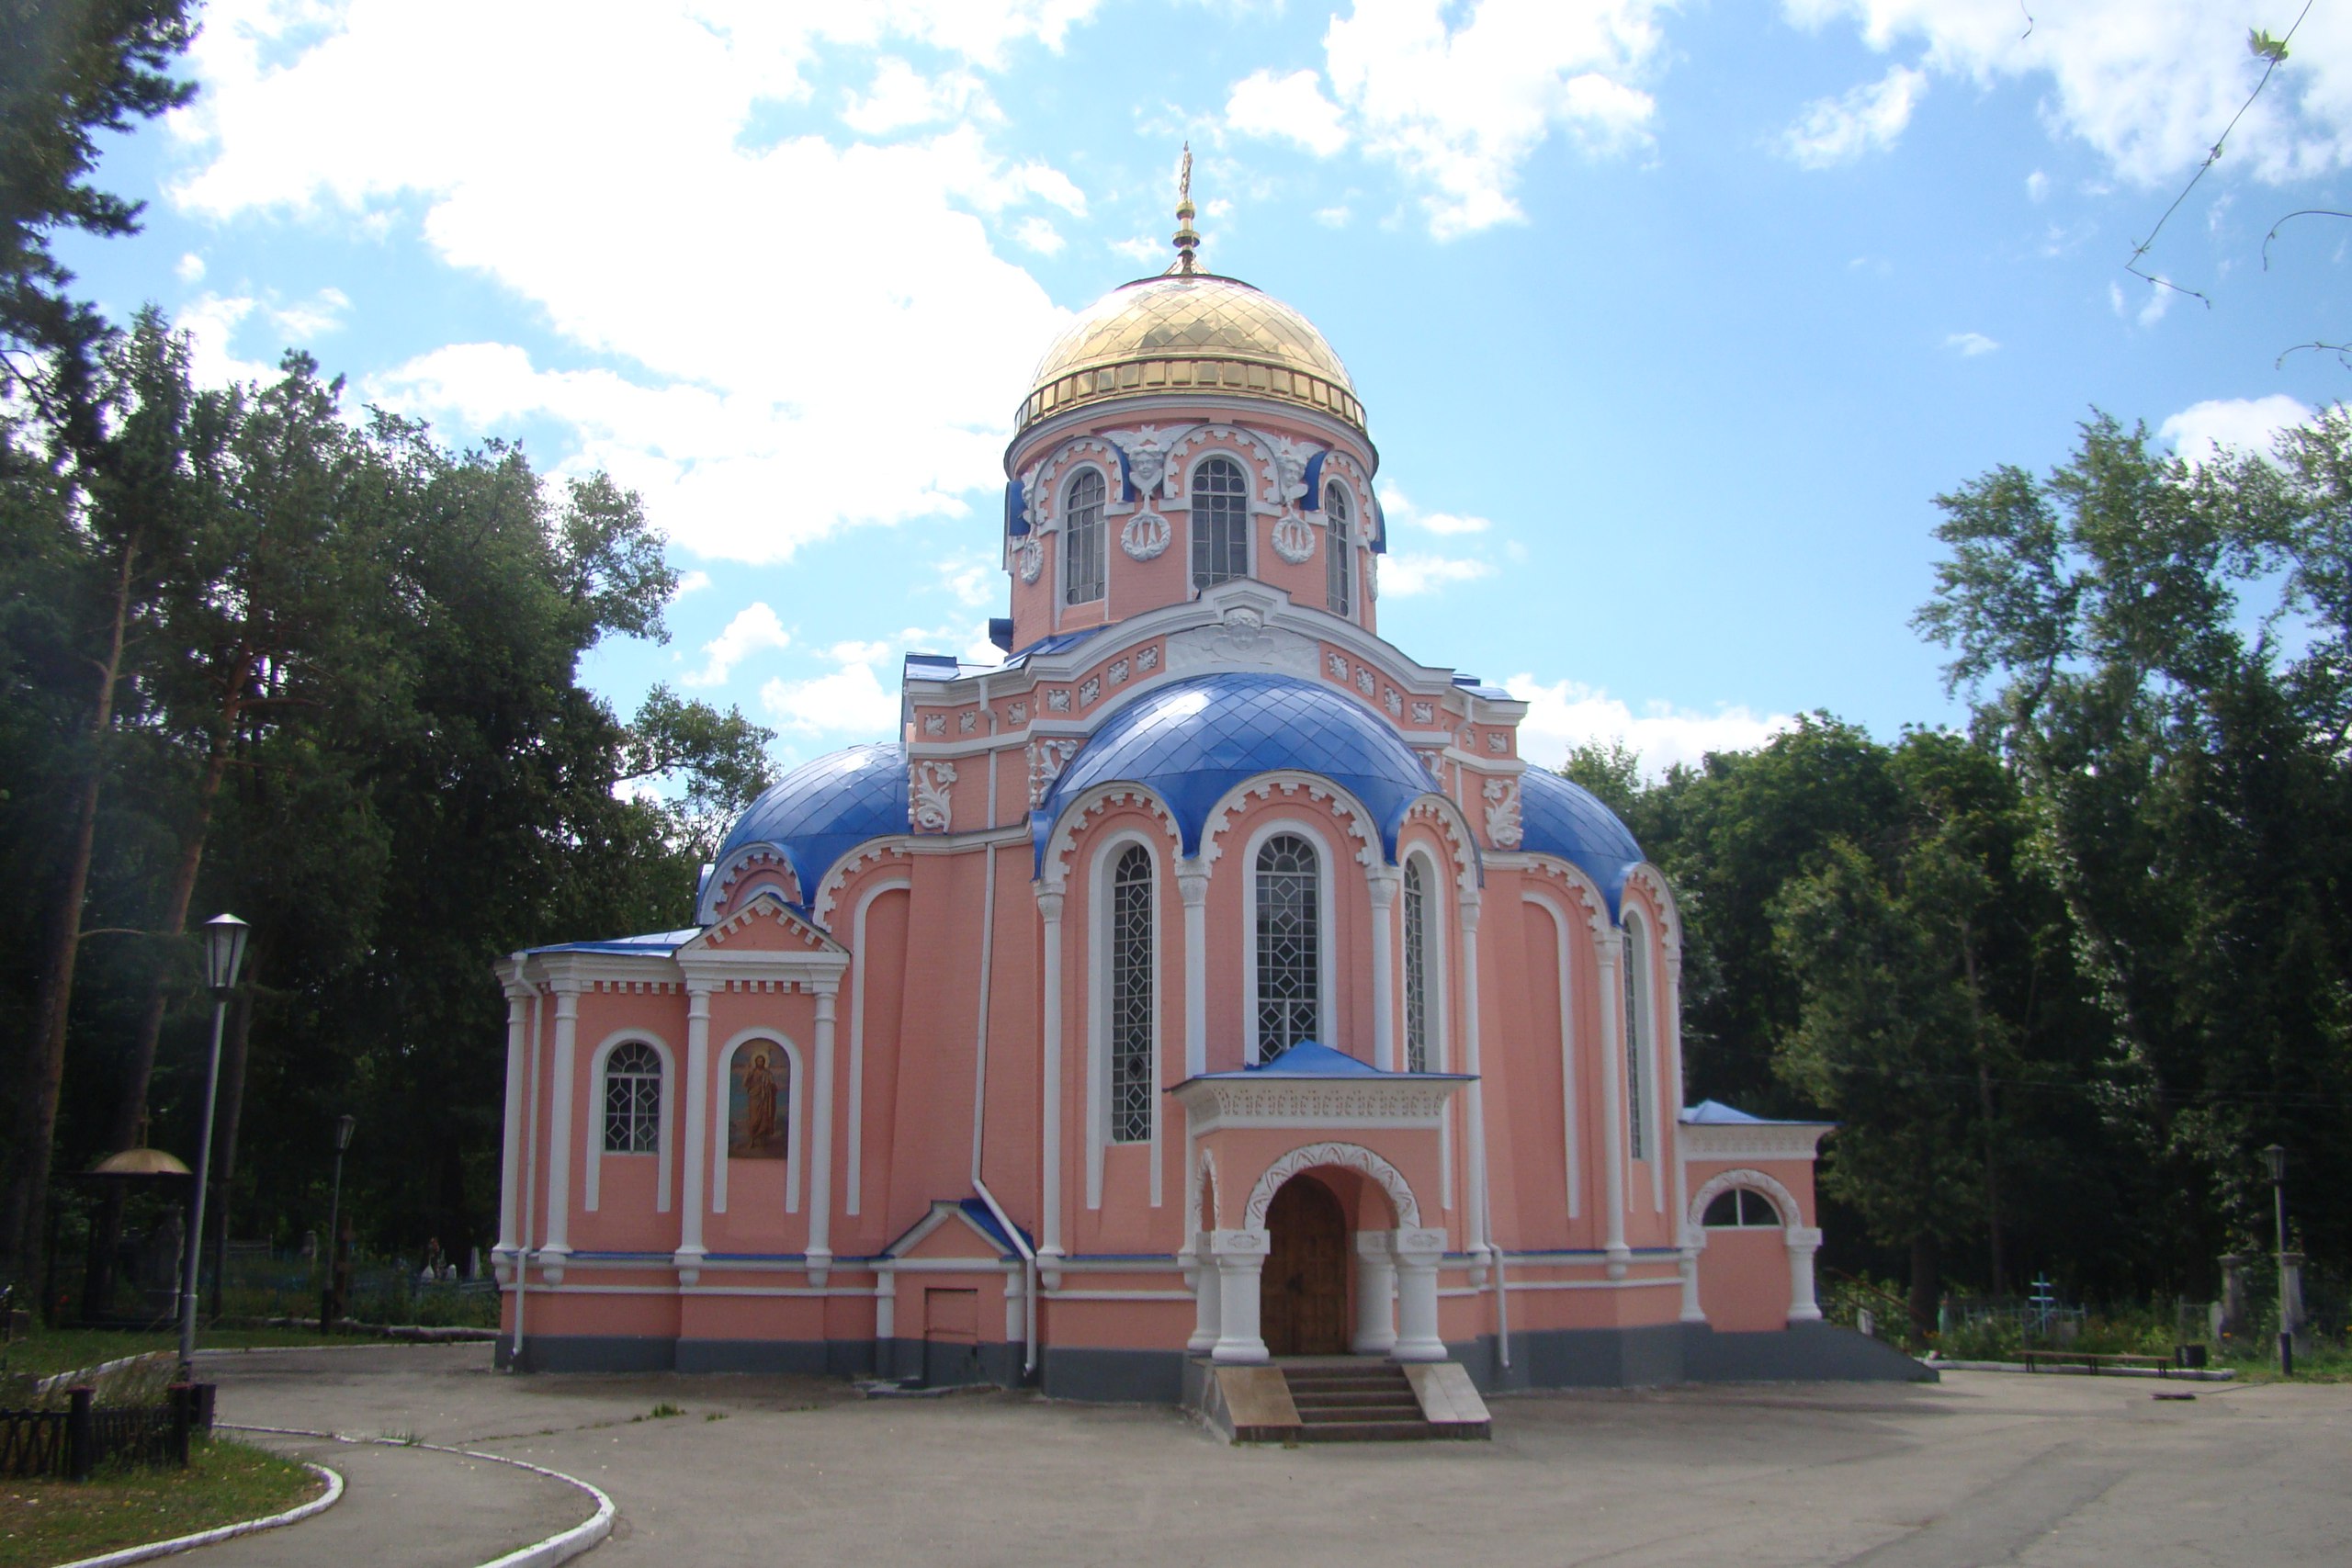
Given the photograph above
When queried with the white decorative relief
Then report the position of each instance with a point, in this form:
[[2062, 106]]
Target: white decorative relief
[[1393, 702], [1346, 1156], [1017, 713], [1148, 453], [1291, 459], [967, 722], [1117, 672], [1047, 761], [1084, 810], [1243, 638], [932, 805], [1425, 714], [1146, 535], [1289, 782], [1494, 741], [934, 724], [1293, 539], [1028, 558], [1089, 689], [1502, 813], [1339, 666], [1147, 660], [1364, 679], [1220, 1103], [1431, 758], [1057, 699]]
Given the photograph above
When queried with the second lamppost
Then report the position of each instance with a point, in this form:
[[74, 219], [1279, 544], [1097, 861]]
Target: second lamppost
[[224, 954], [330, 1303], [2276, 1158]]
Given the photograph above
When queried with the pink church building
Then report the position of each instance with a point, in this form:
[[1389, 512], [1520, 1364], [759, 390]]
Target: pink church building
[[1209, 982]]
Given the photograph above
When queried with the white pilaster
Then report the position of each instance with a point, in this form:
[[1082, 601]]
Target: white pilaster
[[1207, 1292], [1418, 1255], [1803, 1242], [1049, 905], [820, 1141], [511, 1152], [1375, 1293], [1612, 1101], [1381, 882], [1673, 1133], [1192, 888], [1688, 1261], [690, 1253], [1474, 1130], [558, 1245], [1240, 1257]]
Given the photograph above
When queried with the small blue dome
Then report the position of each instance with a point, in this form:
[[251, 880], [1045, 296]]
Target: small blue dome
[[821, 810], [1192, 740], [1557, 817]]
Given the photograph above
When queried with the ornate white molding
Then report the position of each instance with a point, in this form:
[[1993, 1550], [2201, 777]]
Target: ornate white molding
[[1255, 451], [1752, 1140], [1048, 758], [1502, 813], [1242, 638], [1294, 539], [1722, 1182], [1661, 899], [829, 895], [750, 861], [1094, 802], [928, 782], [1146, 535], [1346, 1156], [1148, 450], [1050, 477], [1028, 557], [1291, 459], [1446, 817], [1290, 782], [1216, 1104]]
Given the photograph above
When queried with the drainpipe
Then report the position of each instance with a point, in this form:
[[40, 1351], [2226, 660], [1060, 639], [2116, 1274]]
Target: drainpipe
[[980, 1073], [530, 1169]]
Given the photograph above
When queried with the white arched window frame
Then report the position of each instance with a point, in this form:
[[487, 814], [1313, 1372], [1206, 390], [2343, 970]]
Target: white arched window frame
[[1220, 519], [1424, 951], [1326, 934], [1747, 1208], [1101, 1129], [1085, 560], [1641, 1049], [1565, 981], [1339, 548], [591, 1152], [860, 975], [795, 1113]]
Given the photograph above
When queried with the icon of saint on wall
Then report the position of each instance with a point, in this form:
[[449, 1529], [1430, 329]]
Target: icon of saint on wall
[[759, 1092]]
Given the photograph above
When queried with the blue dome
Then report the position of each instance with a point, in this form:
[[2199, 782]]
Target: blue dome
[[1557, 817], [821, 810], [1192, 740]]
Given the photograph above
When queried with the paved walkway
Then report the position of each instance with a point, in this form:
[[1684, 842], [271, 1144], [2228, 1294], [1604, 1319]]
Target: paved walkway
[[1983, 1468]]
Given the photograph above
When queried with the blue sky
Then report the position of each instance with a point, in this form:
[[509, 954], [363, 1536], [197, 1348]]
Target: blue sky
[[1670, 319]]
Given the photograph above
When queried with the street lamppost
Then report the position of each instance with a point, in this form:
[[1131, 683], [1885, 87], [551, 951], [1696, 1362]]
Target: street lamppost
[[343, 1128], [2276, 1158], [224, 954]]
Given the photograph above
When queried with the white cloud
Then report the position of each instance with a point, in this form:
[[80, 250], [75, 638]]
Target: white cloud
[[190, 268], [794, 336], [1459, 96], [900, 98], [306, 319], [2146, 84], [1292, 108], [1868, 118], [1399, 508], [210, 321], [1404, 575], [851, 701], [975, 581], [690, 583], [753, 628], [1040, 235], [1569, 713], [1970, 345], [1332, 217], [2037, 186], [2244, 424]]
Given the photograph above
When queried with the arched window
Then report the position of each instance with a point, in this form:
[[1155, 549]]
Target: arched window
[[1290, 944], [632, 1099], [1636, 1043], [1082, 538], [1339, 552], [1743, 1208], [1416, 968], [1131, 966], [1220, 522]]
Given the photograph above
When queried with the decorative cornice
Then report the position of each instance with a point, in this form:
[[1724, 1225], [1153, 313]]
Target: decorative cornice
[[1214, 1104]]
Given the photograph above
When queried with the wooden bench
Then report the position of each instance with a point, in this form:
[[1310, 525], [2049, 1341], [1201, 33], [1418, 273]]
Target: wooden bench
[[2036, 1359]]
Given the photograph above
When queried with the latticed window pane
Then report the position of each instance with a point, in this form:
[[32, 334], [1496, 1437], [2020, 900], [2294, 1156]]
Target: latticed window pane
[[1636, 1032], [1339, 552], [1416, 970], [1082, 538], [632, 1099], [1289, 945], [1131, 965], [1220, 522]]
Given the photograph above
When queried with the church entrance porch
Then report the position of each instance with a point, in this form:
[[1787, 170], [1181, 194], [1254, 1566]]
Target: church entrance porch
[[1303, 1292]]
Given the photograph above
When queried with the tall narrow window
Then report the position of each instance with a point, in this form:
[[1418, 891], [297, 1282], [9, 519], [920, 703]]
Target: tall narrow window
[[1082, 538], [1416, 970], [1220, 522], [1131, 965], [1636, 1028], [1290, 944], [632, 1099], [1339, 552]]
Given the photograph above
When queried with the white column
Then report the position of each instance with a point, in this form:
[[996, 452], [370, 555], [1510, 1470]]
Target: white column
[[1418, 1255], [1381, 881], [1803, 1242], [1688, 1262], [1474, 1132], [558, 1245], [689, 1256], [510, 1150], [1207, 1294], [1050, 906], [1375, 1293], [820, 1142], [1613, 1101], [1192, 886], [1239, 1256]]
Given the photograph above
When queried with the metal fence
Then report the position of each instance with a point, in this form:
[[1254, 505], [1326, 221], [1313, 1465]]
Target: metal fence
[[69, 1444]]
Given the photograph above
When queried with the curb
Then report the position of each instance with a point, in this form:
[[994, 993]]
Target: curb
[[2168, 1375], [293, 1516], [560, 1546]]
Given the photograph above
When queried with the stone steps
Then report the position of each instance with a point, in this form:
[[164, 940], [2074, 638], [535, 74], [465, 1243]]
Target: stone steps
[[1345, 1400]]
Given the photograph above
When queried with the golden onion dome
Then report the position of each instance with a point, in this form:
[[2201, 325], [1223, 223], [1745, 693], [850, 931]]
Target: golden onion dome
[[1190, 333]]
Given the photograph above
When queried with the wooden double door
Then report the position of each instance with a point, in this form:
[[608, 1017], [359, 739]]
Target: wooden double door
[[1303, 1293]]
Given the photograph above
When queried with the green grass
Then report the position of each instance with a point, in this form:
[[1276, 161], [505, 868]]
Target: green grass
[[54, 1350], [44, 1522]]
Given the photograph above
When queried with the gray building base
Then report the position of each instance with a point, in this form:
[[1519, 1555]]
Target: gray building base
[[1667, 1353]]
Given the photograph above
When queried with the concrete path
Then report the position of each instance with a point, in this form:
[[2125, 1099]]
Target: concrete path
[[1983, 1469]]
